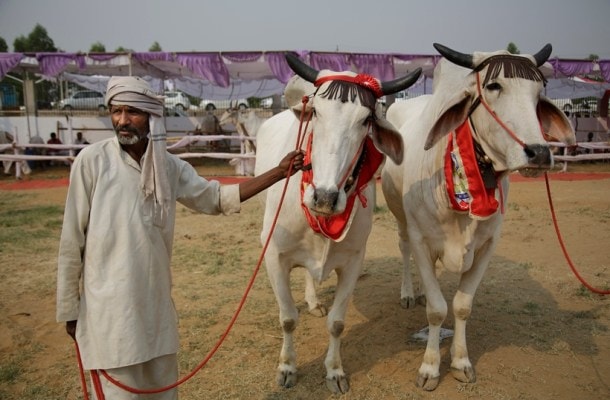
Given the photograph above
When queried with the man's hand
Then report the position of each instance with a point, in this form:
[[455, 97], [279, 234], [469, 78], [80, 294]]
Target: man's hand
[[296, 156], [71, 329]]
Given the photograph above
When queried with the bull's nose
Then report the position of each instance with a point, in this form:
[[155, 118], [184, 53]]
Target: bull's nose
[[325, 199], [538, 154]]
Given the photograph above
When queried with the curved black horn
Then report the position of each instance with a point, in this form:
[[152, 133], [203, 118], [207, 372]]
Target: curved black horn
[[543, 54], [300, 68], [461, 59], [399, 84]]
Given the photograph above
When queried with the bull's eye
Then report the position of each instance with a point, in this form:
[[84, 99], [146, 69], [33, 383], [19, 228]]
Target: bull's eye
[[493, 86]]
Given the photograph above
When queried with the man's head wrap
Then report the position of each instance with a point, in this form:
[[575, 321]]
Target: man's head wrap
[[135, 92]]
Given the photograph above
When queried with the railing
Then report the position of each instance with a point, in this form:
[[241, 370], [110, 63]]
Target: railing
[[66, 152]]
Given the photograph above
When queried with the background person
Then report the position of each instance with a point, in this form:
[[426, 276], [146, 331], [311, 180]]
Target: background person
[[117, 238]]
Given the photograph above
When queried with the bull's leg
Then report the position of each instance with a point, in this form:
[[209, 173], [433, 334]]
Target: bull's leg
[[280, 282], [408, 298], [336, 379], [461, 368], [436, 312], [315, 307]]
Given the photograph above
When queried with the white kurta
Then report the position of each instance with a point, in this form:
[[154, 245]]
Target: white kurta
[[114, 264]]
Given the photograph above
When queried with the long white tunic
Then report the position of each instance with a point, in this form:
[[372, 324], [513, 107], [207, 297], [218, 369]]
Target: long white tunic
[[114, 264]]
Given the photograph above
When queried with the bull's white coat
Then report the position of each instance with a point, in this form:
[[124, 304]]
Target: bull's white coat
[[415, 191], [338, 131]]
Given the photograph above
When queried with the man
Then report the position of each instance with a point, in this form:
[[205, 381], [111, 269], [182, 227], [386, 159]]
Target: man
[[53, 152], [79, 140], [117, 238]]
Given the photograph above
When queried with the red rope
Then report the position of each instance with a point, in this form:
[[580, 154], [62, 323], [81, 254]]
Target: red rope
[[563, 248], [239, 307], [81, 371]]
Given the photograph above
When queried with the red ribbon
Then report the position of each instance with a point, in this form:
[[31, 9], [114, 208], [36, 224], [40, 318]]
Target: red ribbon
[[364, 80]]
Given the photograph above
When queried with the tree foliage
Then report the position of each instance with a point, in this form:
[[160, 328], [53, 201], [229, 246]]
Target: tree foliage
[[155, 47], [97, 47], [3, 45], [37, 41], [512, 48]]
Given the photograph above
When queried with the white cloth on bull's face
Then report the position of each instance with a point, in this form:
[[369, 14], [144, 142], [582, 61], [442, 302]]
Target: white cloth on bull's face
[[135, 92]]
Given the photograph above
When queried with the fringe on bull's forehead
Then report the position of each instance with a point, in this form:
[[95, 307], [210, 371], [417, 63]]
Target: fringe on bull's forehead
[[347, 91], [513, 66]]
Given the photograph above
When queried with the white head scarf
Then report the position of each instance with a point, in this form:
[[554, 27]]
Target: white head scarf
[[135, 92]]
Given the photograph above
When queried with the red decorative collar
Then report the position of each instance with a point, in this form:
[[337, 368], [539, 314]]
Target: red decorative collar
[[465, 186], [335, 227], [363, 80]]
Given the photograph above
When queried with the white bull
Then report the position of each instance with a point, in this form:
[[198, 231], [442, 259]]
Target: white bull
[[344, 120], [461, 229]]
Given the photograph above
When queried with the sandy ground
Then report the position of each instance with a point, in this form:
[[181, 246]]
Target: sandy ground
[[535, 332]]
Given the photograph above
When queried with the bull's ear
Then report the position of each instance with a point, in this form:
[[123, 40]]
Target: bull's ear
[[387, 139], [555, 124], [449, 119], [298, 110]]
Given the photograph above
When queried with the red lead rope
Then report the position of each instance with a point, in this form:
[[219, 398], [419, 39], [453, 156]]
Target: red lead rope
[[563, 247], [97, 385]]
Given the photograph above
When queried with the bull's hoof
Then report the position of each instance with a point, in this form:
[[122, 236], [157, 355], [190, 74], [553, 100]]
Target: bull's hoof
[[337, 384], [466, 375], [412, 302], [427, 383], [318, 311], [286, 379], [407, 302]]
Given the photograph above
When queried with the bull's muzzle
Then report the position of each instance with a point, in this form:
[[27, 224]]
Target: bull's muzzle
[[539, 159], [325, 201]]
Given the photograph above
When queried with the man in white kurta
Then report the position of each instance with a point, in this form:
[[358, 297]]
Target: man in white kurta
[[114, 278]]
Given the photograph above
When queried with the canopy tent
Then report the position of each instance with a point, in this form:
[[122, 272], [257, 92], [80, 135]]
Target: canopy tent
[[232, 75]]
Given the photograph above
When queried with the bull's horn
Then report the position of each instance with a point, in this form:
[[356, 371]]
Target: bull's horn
[[543, 54], [399, 84], [301, 69], [461, 59]]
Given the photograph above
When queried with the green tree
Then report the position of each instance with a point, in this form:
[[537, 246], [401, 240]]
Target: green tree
[[3, 45], [155, 47], [122, 49], [97, 47], [37, 41], [512, 48], [593, 57]]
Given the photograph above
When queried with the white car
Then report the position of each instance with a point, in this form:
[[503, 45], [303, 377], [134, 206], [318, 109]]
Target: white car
[[210, 105], [176, 101], [84, 100]]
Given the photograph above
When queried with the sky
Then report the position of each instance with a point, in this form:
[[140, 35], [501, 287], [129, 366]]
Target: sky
[[576, 29]]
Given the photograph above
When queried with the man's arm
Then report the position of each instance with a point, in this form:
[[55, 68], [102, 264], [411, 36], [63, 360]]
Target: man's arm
[[291, 163]]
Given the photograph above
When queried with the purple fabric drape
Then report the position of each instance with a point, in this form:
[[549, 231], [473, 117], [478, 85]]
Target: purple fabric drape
[[152, 56], [206, 65], [571, 67], [8, 61], [334, 61], [101, 57], [279, 66], [52, 64], [237, 57], [380, 66]]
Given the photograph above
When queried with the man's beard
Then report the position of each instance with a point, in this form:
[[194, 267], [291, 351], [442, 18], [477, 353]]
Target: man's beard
[[127, 140]]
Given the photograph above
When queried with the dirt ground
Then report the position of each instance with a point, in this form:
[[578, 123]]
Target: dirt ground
[[535, 331]]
